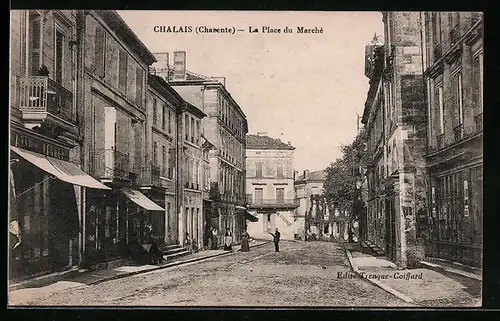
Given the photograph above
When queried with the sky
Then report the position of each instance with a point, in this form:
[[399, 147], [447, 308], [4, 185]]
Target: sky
[[304, 88]]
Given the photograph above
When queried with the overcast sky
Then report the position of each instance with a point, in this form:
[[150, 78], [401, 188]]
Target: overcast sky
[[303, 88]]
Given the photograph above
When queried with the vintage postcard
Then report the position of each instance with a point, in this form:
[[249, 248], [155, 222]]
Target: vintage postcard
[[245, 158]]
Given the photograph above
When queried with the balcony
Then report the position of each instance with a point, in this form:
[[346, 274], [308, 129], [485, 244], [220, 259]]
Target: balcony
[[458, 132], [41, 98], [110, 164], [440, 141], [151, 176], [438, 52], [273, 203], [478, 119]]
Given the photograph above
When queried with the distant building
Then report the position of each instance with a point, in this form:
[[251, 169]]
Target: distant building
[[307, 184], [270, 187], [453, 70], [225, 128]]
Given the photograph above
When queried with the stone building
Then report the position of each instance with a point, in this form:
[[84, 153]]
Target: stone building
[[225, 127], [46, 214], [307, 184], [394, 119], [453, 69], [270, 187], [159, 179], [113, 118]]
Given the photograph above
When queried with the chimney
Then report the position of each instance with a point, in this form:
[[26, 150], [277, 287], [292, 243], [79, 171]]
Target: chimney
[[290, 143], [261, 133], [295, 174], [306, 172], [179, 65]]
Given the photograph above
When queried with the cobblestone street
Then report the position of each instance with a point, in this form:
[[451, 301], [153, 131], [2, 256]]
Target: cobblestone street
[[302, 274]]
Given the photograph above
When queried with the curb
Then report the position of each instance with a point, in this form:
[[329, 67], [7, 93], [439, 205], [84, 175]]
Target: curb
[[443, 269], [168, 265], [45, 280], [384, 287]]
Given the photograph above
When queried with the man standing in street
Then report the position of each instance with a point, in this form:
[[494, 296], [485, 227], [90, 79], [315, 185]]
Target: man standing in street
[[276, 240]]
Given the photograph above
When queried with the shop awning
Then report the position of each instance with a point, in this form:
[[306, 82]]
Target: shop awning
[[141, 199], [65, 171], [250, 217]]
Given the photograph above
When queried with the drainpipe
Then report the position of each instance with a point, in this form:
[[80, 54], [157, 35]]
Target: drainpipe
[[80, 114]]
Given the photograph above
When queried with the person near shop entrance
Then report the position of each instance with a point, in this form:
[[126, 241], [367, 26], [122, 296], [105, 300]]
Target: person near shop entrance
[[276, 240], [245, 246], [228, 245]]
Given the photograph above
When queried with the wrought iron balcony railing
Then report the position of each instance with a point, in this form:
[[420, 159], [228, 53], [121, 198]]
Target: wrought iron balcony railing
[[273, 202], [458, 132], [40, 95], [110, 164], [478, 119]]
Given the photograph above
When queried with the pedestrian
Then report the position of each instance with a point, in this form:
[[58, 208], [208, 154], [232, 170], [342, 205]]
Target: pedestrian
[[215, 241], [245, 246], [187, 243], [228, 238], [276, 240]]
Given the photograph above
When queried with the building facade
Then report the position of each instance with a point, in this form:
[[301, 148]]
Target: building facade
[[453, 63], [46, 210], [115, 77], [394, 119], [225, 127], [270, 187], [306, 185], [159, 179]]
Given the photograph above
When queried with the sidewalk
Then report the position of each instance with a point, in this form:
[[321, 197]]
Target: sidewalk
[[31, 288], [421, 286]]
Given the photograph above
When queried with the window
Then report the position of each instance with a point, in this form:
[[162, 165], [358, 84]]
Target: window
[[457, 91], [477, 82], [169, 121], [35, 43], [192, 130], [139, 74], [58, 56], [197, 131], [280, 195], [164, 118], [155, 153], [165, 161], [122, 71], [100, 47], [259, 193], [258, 166], [155, 112], [280, 173], [186, 127], [439, 101]]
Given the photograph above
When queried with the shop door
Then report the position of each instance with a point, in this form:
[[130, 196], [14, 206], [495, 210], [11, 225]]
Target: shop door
[[390, 227]]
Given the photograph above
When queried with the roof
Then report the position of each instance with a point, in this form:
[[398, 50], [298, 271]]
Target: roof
[[313, 176], [115, 21], [266, 142]]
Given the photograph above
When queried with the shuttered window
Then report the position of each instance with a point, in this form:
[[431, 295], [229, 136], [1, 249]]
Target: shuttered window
[[35, 44], [138, 86], [100, 42], [122, 71]]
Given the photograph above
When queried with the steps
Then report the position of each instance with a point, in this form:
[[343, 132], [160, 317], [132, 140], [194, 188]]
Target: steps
[[175, 251], [376, 250]]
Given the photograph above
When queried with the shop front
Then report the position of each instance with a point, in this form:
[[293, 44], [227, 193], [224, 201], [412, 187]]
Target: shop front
[[45, 213]]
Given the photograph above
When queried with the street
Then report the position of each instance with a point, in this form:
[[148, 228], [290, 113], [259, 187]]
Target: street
[[302, 274]]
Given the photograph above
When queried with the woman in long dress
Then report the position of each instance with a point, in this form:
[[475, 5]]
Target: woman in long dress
[[245, 246], [228, 238]]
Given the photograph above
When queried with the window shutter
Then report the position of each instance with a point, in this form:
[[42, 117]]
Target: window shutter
[[35, 46], [100, 39], [122, 71], [138, 86]]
